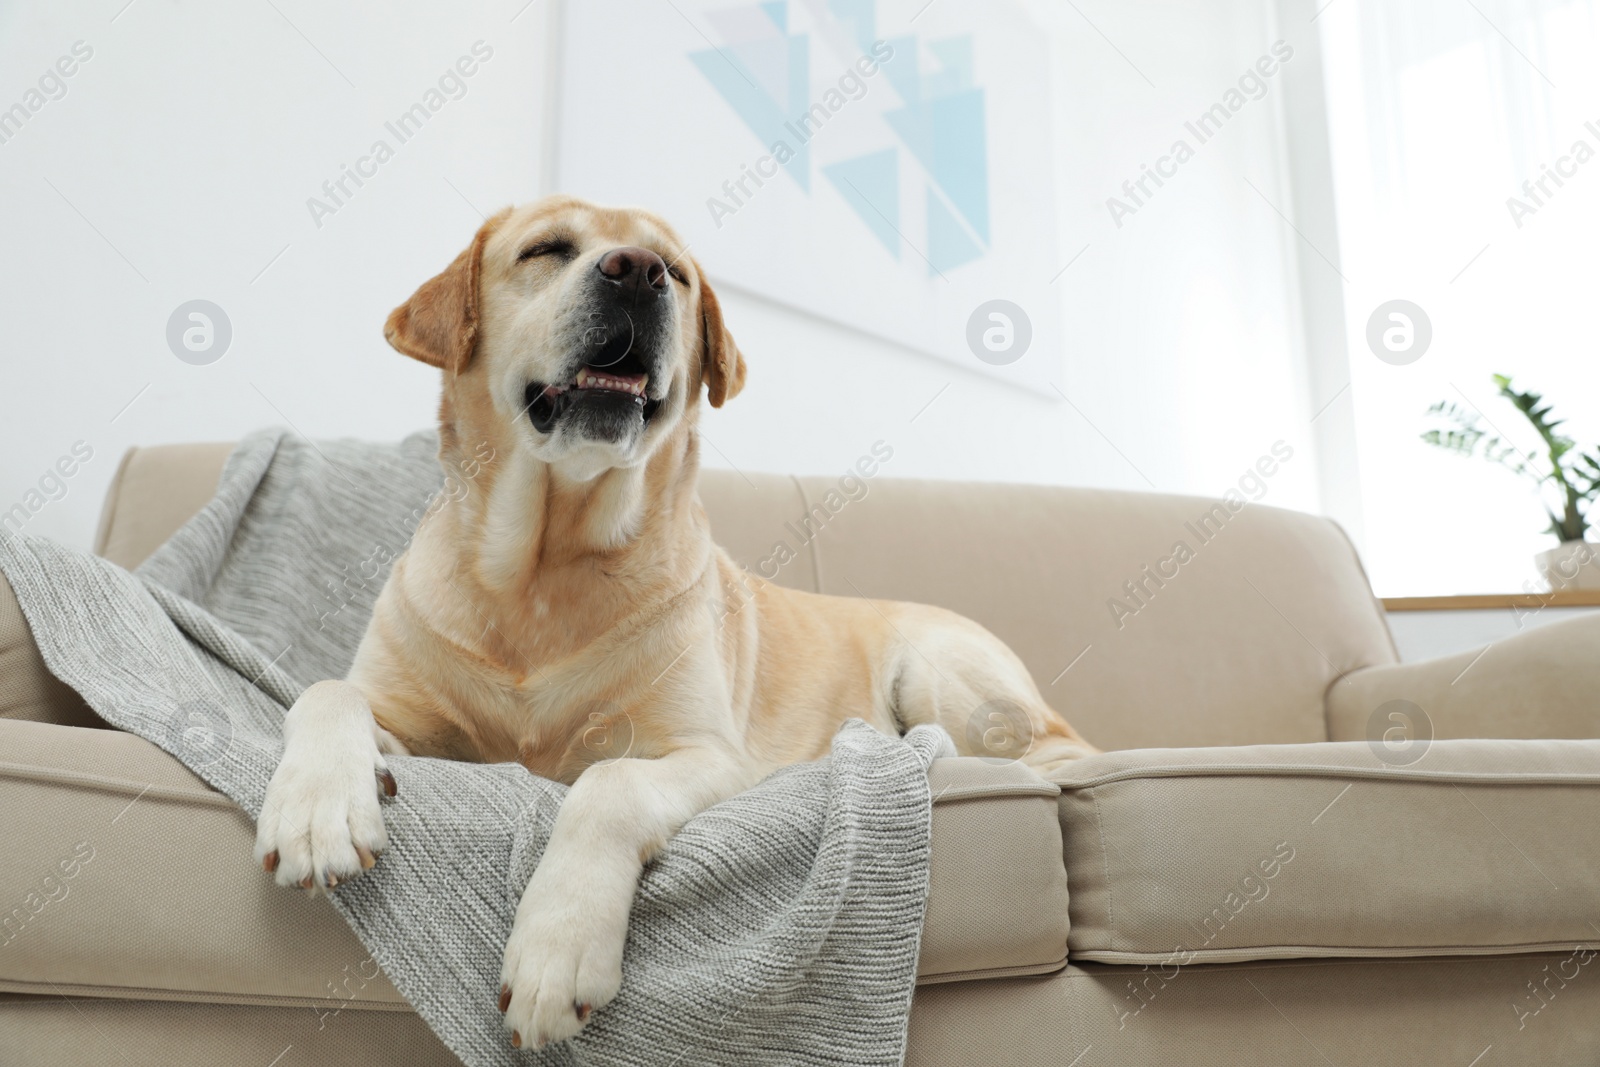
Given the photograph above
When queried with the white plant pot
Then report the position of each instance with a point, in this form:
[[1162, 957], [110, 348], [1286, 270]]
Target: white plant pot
[[1571, 565]]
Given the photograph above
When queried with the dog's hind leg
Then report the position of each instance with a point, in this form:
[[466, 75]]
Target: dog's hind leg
[[321, 823], [949, 670]]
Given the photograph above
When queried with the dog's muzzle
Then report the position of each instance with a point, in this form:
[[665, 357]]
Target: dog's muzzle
[[624, 329]]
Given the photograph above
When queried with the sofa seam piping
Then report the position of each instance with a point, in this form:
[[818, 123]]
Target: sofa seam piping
[[998, 789], [1222, 957], [1287, 770], [27, 773], [1013, 970], [1105, 862], [142, 994]]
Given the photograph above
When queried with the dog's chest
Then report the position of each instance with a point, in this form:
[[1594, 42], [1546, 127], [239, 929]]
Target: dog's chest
[[549, 725], [556, 674]]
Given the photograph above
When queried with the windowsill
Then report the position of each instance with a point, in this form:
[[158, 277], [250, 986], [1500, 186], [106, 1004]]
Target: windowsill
[[1575, 598]]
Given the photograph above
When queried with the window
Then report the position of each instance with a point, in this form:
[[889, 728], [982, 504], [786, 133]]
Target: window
[[1439, 112]]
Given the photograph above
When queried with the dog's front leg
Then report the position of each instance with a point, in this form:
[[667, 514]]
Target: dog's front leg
[[321, 824], [564, 958]]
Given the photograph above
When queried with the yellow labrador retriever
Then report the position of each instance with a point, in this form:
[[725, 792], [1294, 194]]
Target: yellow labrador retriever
[[571, 613]]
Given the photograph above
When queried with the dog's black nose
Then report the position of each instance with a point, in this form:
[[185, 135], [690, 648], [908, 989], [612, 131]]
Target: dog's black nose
[[638, 271]]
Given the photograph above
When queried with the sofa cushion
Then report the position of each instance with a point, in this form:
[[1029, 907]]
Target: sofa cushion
[[997, 893], [1211, 855], [127, 876]]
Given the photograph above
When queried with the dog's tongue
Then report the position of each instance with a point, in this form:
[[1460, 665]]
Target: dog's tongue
[[621, 383]]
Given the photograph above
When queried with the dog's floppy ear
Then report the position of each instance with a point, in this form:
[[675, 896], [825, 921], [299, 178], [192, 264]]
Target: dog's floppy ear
[[439, 324], [722, 365]]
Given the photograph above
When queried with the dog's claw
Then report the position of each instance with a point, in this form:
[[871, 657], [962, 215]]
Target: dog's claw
[[306, 882], [516, 1039], [582, 1011], [269, 862], [390, 786], [333, 880], [368, 857], [505, 998]]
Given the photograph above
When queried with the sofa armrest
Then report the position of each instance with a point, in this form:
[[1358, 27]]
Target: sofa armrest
[[157, 488], [1541, 683], [28, 691]]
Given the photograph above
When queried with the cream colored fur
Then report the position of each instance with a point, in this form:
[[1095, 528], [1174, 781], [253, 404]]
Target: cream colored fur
[[569, 611]]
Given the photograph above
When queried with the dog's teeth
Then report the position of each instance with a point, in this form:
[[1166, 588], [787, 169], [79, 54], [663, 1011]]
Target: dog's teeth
[[588, 379]]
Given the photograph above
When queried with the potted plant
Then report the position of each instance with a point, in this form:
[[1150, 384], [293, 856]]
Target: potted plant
[[1561, 472]]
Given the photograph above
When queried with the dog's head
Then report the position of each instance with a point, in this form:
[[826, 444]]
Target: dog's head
[[587, 331]]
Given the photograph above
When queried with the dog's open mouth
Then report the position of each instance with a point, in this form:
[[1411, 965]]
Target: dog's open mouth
[[610, 394]]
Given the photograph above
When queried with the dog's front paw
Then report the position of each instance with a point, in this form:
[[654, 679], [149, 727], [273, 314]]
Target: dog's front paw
[[322, 824], [564, 959]]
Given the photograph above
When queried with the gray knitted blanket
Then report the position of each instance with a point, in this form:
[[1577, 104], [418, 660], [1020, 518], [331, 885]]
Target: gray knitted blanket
[[780, 927]]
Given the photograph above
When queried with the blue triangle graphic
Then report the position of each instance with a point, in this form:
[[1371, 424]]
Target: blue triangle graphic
[[948, 138], [778, 13], [949, 244], [764, 115], [901, 66], [955, 53], [870, 184]]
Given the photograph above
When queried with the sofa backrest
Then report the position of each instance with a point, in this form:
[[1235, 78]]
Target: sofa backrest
[[1148, 620]]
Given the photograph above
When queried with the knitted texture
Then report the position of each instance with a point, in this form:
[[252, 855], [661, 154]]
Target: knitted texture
[[779, 927]]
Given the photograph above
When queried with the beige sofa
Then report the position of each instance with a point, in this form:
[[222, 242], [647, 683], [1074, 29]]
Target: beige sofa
[[1273, 866]]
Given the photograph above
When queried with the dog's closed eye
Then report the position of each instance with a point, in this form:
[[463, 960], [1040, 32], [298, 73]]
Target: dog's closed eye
[[553, 246], [678, 275]]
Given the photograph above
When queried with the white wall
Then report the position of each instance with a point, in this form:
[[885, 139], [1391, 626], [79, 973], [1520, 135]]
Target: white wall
[[191, 141], [193, 137]]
